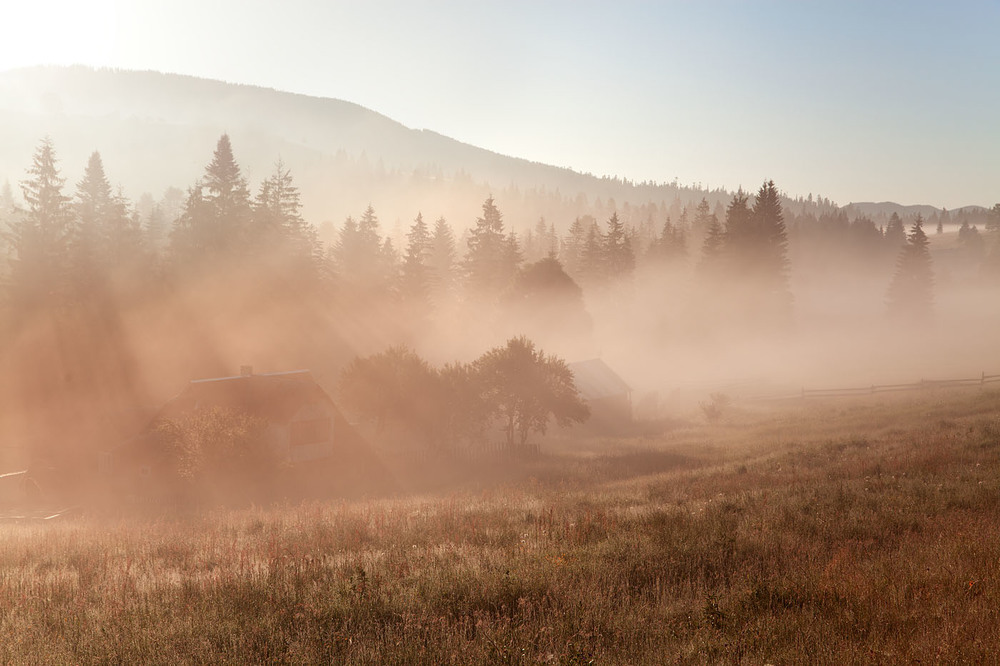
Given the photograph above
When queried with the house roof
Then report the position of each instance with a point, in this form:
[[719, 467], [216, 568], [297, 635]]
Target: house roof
[[275, 396], [595, 380]]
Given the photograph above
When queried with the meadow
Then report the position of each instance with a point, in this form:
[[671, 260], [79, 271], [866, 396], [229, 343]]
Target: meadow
[[849, 530]]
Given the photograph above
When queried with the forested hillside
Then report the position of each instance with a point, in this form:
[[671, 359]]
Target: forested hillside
[[111, 300]]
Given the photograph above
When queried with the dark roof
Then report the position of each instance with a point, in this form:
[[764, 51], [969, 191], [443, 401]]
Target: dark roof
[[595, 380], [275, 396]]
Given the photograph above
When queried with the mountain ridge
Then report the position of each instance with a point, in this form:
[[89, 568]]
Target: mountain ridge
[[156, 130]]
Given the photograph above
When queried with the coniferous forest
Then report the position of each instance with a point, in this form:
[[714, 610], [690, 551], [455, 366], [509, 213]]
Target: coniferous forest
[[108, 306]]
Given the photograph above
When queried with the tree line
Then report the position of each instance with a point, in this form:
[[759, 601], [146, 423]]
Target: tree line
[[65, 248], [82, 259]]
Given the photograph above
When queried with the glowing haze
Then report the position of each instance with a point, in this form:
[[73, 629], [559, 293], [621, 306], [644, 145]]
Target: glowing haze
[[856, 101]]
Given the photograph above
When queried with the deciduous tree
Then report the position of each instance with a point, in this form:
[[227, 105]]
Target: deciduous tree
[[524, 387]]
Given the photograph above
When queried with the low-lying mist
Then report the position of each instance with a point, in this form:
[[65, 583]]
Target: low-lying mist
[[106, 321]]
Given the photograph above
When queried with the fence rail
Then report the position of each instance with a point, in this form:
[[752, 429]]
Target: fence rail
[[889, 388]]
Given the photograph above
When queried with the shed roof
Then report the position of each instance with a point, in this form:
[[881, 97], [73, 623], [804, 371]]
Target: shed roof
[[596, 380], [275, 396]]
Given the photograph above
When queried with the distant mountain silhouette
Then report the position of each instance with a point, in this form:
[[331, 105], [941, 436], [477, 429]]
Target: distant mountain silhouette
[[157, 130], [887, 208]]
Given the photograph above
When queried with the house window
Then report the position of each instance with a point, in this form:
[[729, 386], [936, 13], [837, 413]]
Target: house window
[[310, 431]]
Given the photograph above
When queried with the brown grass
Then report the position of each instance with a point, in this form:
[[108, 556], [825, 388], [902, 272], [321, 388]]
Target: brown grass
[[847, 531]]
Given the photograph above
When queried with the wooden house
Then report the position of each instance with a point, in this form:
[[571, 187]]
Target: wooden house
[[307, 435]]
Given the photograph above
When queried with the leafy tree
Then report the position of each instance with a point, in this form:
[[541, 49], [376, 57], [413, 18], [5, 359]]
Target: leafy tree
[[395, 386], [910, 294], [524, 387], [461, 412], [215, 450], [40, 238]]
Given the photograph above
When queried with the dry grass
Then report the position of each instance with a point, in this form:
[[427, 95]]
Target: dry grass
[[861, 531]]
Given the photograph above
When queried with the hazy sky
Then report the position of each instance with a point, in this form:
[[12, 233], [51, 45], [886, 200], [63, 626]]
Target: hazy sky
[[857, 101]]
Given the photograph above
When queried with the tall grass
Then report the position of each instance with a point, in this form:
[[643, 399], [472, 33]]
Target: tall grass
[[839, 532]]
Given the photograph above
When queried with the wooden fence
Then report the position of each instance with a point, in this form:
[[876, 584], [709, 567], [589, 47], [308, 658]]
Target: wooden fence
[[923, 384]]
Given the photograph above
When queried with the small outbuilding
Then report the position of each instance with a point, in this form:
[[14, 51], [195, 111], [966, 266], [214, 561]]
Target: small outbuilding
[[606, 393]]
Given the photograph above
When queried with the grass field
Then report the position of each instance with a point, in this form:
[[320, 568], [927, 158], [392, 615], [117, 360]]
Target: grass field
[[843, 531]]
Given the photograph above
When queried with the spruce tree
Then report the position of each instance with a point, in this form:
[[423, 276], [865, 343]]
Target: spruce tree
[[702, 218], [217, 219], [40, 238], [278, 223], [491, 260], [619, 259], [107, 236], [738, 233], [895, 234], [910, 294], [441, 259], [771, 242], [711, 249], [592, 258], [415, 275], [571, 250]]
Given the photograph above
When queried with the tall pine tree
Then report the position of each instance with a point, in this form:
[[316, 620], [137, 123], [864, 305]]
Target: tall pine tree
[[911, 291], [40, 238], [619, 259], [217, 219], [491, 260], [441, 260], [415, 275]]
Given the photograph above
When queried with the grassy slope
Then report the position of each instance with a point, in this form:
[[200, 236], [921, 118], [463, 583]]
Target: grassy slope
[[835, 532]]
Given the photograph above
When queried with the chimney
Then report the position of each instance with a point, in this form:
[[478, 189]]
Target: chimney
[[246, 371]]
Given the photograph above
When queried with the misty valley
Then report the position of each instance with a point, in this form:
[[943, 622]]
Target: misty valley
[[510, 414]]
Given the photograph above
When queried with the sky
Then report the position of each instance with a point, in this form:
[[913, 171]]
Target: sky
[[852, 100]]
